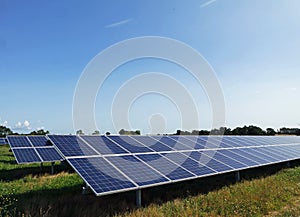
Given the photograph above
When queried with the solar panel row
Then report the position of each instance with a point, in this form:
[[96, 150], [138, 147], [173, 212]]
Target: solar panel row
[[102, 145], [118, 163], [33, 149], [3, 141], [143, 170]]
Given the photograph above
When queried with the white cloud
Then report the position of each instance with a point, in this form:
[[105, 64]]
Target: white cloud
[[5, 123], [18, 125], [26, 123], [22, 126], [119, 23], [207, 3]]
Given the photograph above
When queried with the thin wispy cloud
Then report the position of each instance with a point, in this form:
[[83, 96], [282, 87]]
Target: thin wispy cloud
[[207, 3], [112, 25]]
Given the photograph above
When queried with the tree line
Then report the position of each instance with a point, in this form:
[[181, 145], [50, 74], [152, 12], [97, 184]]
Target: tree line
[[4, 131], [246, 130]]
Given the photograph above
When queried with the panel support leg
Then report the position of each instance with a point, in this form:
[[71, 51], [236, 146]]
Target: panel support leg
[[138, 198], [288, 164], [237, 176], [41, 167], [52, 168], [86, 189]]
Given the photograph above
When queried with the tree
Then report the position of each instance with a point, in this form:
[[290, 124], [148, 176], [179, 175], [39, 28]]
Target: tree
[[39, 132], [271, 132], [128, 132], [96, 132], [107, 133], [79, 132], [122, 132], [5, 131]]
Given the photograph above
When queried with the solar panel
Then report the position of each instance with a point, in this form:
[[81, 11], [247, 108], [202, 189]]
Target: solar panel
[[130, 144], [3, 141], [120, 163], [38, 141], [174, 142], [164, 166], [72, 145], [33, 149], [152, 143], [26, 155], [138, 171], [101, 176], [104, 145], [190, 164], [48, 154], [18, 141]]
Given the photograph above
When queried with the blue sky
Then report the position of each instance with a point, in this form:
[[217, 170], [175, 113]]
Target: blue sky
[[253, 46]]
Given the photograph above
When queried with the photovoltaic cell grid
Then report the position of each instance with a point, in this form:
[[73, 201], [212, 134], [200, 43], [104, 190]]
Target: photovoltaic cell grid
[[3, 141], [33, 149], [119, 163]]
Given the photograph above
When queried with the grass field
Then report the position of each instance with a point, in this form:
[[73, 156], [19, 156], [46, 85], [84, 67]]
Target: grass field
[[28, 190]]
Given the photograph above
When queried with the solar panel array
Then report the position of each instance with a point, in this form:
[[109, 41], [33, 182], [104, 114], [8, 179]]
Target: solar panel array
[[33, 149], [3, 141], [120, 163]]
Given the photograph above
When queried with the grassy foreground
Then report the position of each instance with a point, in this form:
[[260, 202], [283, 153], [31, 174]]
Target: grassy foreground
[[27, 190]]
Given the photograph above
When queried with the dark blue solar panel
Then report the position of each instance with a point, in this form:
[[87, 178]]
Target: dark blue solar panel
[[18, 141], [259, 140], [246, 152], [49, 154], [189, 164], [241, 141], [273, 152], [162, 164], [138, 171], [209, 162], [130, 144], [192, 142], [100, 175], [216, 155], [261, 152], [228, 140], [26, 155], [217, 142], [174, 142], [72, 146], [290, 149], [38, 141], [3, 141], [104, 145], [166, 167], [232, 153], [152, 143]]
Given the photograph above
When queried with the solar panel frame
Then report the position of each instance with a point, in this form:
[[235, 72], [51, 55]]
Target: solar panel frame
[[26, 155], [132, 171], [48, 154], [133, 147], [152, 143], [71, 145], [176, 172], [228, 157], [133, 185], [14, 142], [111, 147], [38, 141], [17, 146]]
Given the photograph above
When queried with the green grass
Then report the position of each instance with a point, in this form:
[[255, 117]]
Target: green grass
[[26, 190]]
